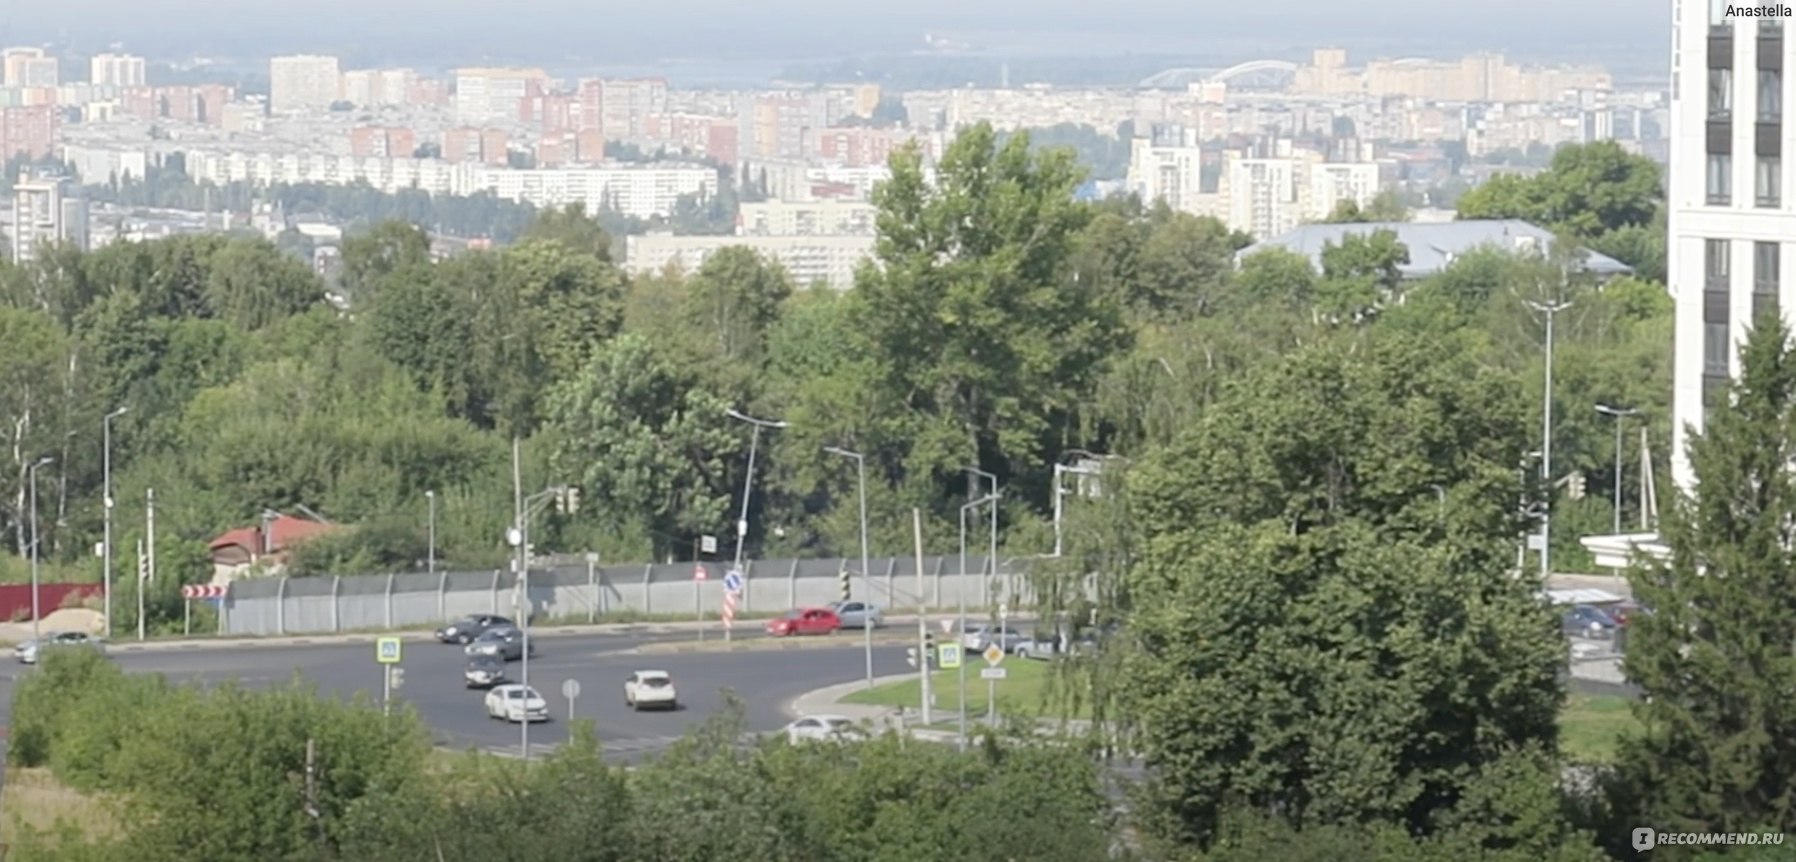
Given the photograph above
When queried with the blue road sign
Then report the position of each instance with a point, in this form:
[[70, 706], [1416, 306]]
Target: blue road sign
[[386, 650], [733, 581]]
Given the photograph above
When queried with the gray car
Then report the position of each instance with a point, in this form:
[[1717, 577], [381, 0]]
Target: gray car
[[484, 671], [978, 637], [859, 615], [506, 642], [467, 629]]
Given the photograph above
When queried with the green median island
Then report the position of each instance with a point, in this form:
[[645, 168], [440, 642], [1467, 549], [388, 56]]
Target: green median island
[[1028, 688], [1590, 725]]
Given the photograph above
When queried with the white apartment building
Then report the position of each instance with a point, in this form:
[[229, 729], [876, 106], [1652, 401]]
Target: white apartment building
[[378, 88], [303, 82], [44, 212], [493, 95], [97, 165], [1731, 214], [1168, 166], [28, 67], [810, 260], [643, 192], [387, 174], [1260, 195], [117, 70], [806, 218], [1331, 183]]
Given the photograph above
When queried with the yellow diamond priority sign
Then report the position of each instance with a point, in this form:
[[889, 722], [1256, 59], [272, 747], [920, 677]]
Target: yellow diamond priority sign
[[993, 655]]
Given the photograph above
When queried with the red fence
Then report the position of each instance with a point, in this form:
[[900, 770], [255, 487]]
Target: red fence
[[15, 599]]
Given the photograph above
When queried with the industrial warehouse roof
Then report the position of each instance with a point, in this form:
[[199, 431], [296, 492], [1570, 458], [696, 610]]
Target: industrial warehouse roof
[[1432, 246]]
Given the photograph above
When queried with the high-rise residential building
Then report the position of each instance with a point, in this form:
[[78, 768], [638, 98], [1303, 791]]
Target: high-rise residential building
[[495, 95], [621, 108], [378, 88], [1167, 165], [28, 130], [29, 67], [43, 212], [117, 70], [303, 82], [1731, 217]]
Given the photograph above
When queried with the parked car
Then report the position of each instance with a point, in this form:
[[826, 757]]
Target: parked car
[[804, 621], [859, 615], [484, 671], [1589, 621], [467, 629], [650, 688], [28, 652], [978, 636], [515, 703], [1043, 645], [820, 728], [506, 642]]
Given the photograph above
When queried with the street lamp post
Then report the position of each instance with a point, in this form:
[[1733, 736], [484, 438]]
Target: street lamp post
[[1060, 471], [748, 481], [1620, 415], [430, 564], [1550, 309], [106, 502], [992, 553], [860, 463], [519, 537], [36, 612], [962, 593]]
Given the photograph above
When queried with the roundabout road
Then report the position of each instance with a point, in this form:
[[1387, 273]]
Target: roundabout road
[[764, 680]]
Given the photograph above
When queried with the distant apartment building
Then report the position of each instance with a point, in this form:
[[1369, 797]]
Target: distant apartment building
[[620, 107], [828, 260], [44, 211], [643, 191], [775, 125], [303, 83], [854, 146], [99, 165], [495, 95], [806, 218], [378, 88], [28, 131], [697, 134], [117, 70], [382, 142], [476, 146], [204, 103], [1269, 194], [1473, 78], [1166, 164], [792, 180], [28, 68]]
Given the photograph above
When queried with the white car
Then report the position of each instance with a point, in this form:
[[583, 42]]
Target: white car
[[516, 703], [820, 728], [27, 652], [650, 688]]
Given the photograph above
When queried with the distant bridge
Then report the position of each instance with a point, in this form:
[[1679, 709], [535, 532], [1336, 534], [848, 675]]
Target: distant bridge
[[1277, 69]]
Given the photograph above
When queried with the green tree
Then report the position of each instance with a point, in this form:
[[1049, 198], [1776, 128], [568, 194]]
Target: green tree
[[1588, 190], [370, 256], [1714, 656]]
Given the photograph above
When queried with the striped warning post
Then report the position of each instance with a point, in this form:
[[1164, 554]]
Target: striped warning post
[[729, 609]]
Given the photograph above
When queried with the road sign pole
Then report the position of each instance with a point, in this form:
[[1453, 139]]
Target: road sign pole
[[570, 689], [386, 689], [698, 607], [187, 617]]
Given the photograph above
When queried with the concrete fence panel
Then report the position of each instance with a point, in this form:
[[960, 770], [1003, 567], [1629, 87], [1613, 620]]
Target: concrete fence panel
[[581, 593]]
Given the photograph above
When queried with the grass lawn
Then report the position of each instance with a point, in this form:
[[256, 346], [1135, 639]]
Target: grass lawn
[[35, 798], [1027, 689], [1591, 724]]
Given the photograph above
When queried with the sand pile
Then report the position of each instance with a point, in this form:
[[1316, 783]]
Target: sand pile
[[64, 620]]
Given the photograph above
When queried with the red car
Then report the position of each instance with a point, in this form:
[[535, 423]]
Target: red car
[[804, 621]]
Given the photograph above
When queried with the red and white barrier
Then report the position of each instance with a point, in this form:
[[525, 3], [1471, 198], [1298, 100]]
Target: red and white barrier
[[203, 591]]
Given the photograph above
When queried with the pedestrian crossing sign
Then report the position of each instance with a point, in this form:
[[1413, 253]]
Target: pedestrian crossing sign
[[948, 656], [386, 650]]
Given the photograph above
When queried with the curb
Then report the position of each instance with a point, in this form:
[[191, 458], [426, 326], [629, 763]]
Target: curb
[[828, 699]]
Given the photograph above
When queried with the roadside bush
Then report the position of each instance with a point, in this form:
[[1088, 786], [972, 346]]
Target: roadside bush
[[42, 701], [112, 717]]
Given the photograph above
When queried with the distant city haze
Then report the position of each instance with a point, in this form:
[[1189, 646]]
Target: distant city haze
[[564, 32]]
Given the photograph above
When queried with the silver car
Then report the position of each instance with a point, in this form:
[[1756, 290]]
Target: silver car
[[506, 642], [859, 615], [978, 637], [28, 652]]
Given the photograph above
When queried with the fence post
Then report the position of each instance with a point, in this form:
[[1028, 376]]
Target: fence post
[[443, 596], [224, 609], [336, 603], [648, 589], [792, 585], [280, 607], [495, 591], [891, 582], [389, 612], [592, 586]]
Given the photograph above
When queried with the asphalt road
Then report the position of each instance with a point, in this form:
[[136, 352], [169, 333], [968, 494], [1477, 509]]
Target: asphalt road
[[765, 680]]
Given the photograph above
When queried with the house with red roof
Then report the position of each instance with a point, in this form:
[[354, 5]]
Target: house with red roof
[[265, 546]]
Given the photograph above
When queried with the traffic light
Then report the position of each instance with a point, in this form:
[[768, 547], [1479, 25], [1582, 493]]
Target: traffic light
[[567, 500], [910, 656], [847, 590], [1575, 487], [929, 646]]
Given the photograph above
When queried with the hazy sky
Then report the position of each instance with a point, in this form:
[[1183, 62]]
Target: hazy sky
[[636, 31]]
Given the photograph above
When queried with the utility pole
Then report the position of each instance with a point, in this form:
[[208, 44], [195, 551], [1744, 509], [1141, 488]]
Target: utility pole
[[860, 462], [143, 585], [991, 499], [748, 483], [36, 613], [992, 554], [916, 527], [311, 790], [107, 503], [1550, 309], [430, 564]]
